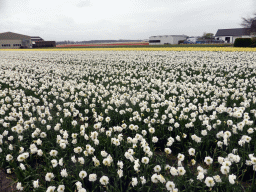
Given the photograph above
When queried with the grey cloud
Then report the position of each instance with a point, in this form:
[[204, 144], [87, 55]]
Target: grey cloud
[[2, 5], [152, 21], [66, 21]]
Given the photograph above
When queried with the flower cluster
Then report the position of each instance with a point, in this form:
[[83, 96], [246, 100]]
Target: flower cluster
[[90, 121]]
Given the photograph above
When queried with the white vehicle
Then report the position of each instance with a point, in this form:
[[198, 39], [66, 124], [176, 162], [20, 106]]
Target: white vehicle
[[192, 39]]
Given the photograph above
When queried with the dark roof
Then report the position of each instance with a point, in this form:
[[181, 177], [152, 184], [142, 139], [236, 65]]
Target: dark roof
[[233, 32], [10, 35], [35, 38]]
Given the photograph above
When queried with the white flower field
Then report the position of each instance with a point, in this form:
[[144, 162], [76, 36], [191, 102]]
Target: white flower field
[[128, 120]]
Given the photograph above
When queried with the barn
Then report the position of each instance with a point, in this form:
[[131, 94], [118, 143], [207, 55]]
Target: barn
[[166, 39], [230, 35], [9, 40]]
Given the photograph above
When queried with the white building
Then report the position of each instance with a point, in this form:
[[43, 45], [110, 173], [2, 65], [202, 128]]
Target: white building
[[166, 39], [14, 40], [230, 35]]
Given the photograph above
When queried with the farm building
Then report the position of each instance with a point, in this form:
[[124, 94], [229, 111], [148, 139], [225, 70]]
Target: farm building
[[14, 40], [36, 39], [230, 35], [166, 39], [40, 44]]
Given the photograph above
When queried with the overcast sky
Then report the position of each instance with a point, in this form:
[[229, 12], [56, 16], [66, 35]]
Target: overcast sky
[[120, 19]]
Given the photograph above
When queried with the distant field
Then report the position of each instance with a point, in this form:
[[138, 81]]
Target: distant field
[[104, 44], [138, 44]]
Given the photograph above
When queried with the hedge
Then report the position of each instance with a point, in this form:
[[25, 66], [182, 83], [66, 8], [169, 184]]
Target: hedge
[[243, 42]]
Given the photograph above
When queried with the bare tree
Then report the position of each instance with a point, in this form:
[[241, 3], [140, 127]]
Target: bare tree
[[247, 22]]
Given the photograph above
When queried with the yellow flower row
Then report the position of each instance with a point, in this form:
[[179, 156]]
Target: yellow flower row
[[227, 49]]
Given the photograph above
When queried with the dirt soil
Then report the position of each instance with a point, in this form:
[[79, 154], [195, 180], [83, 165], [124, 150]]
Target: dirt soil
[[6, 181]]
